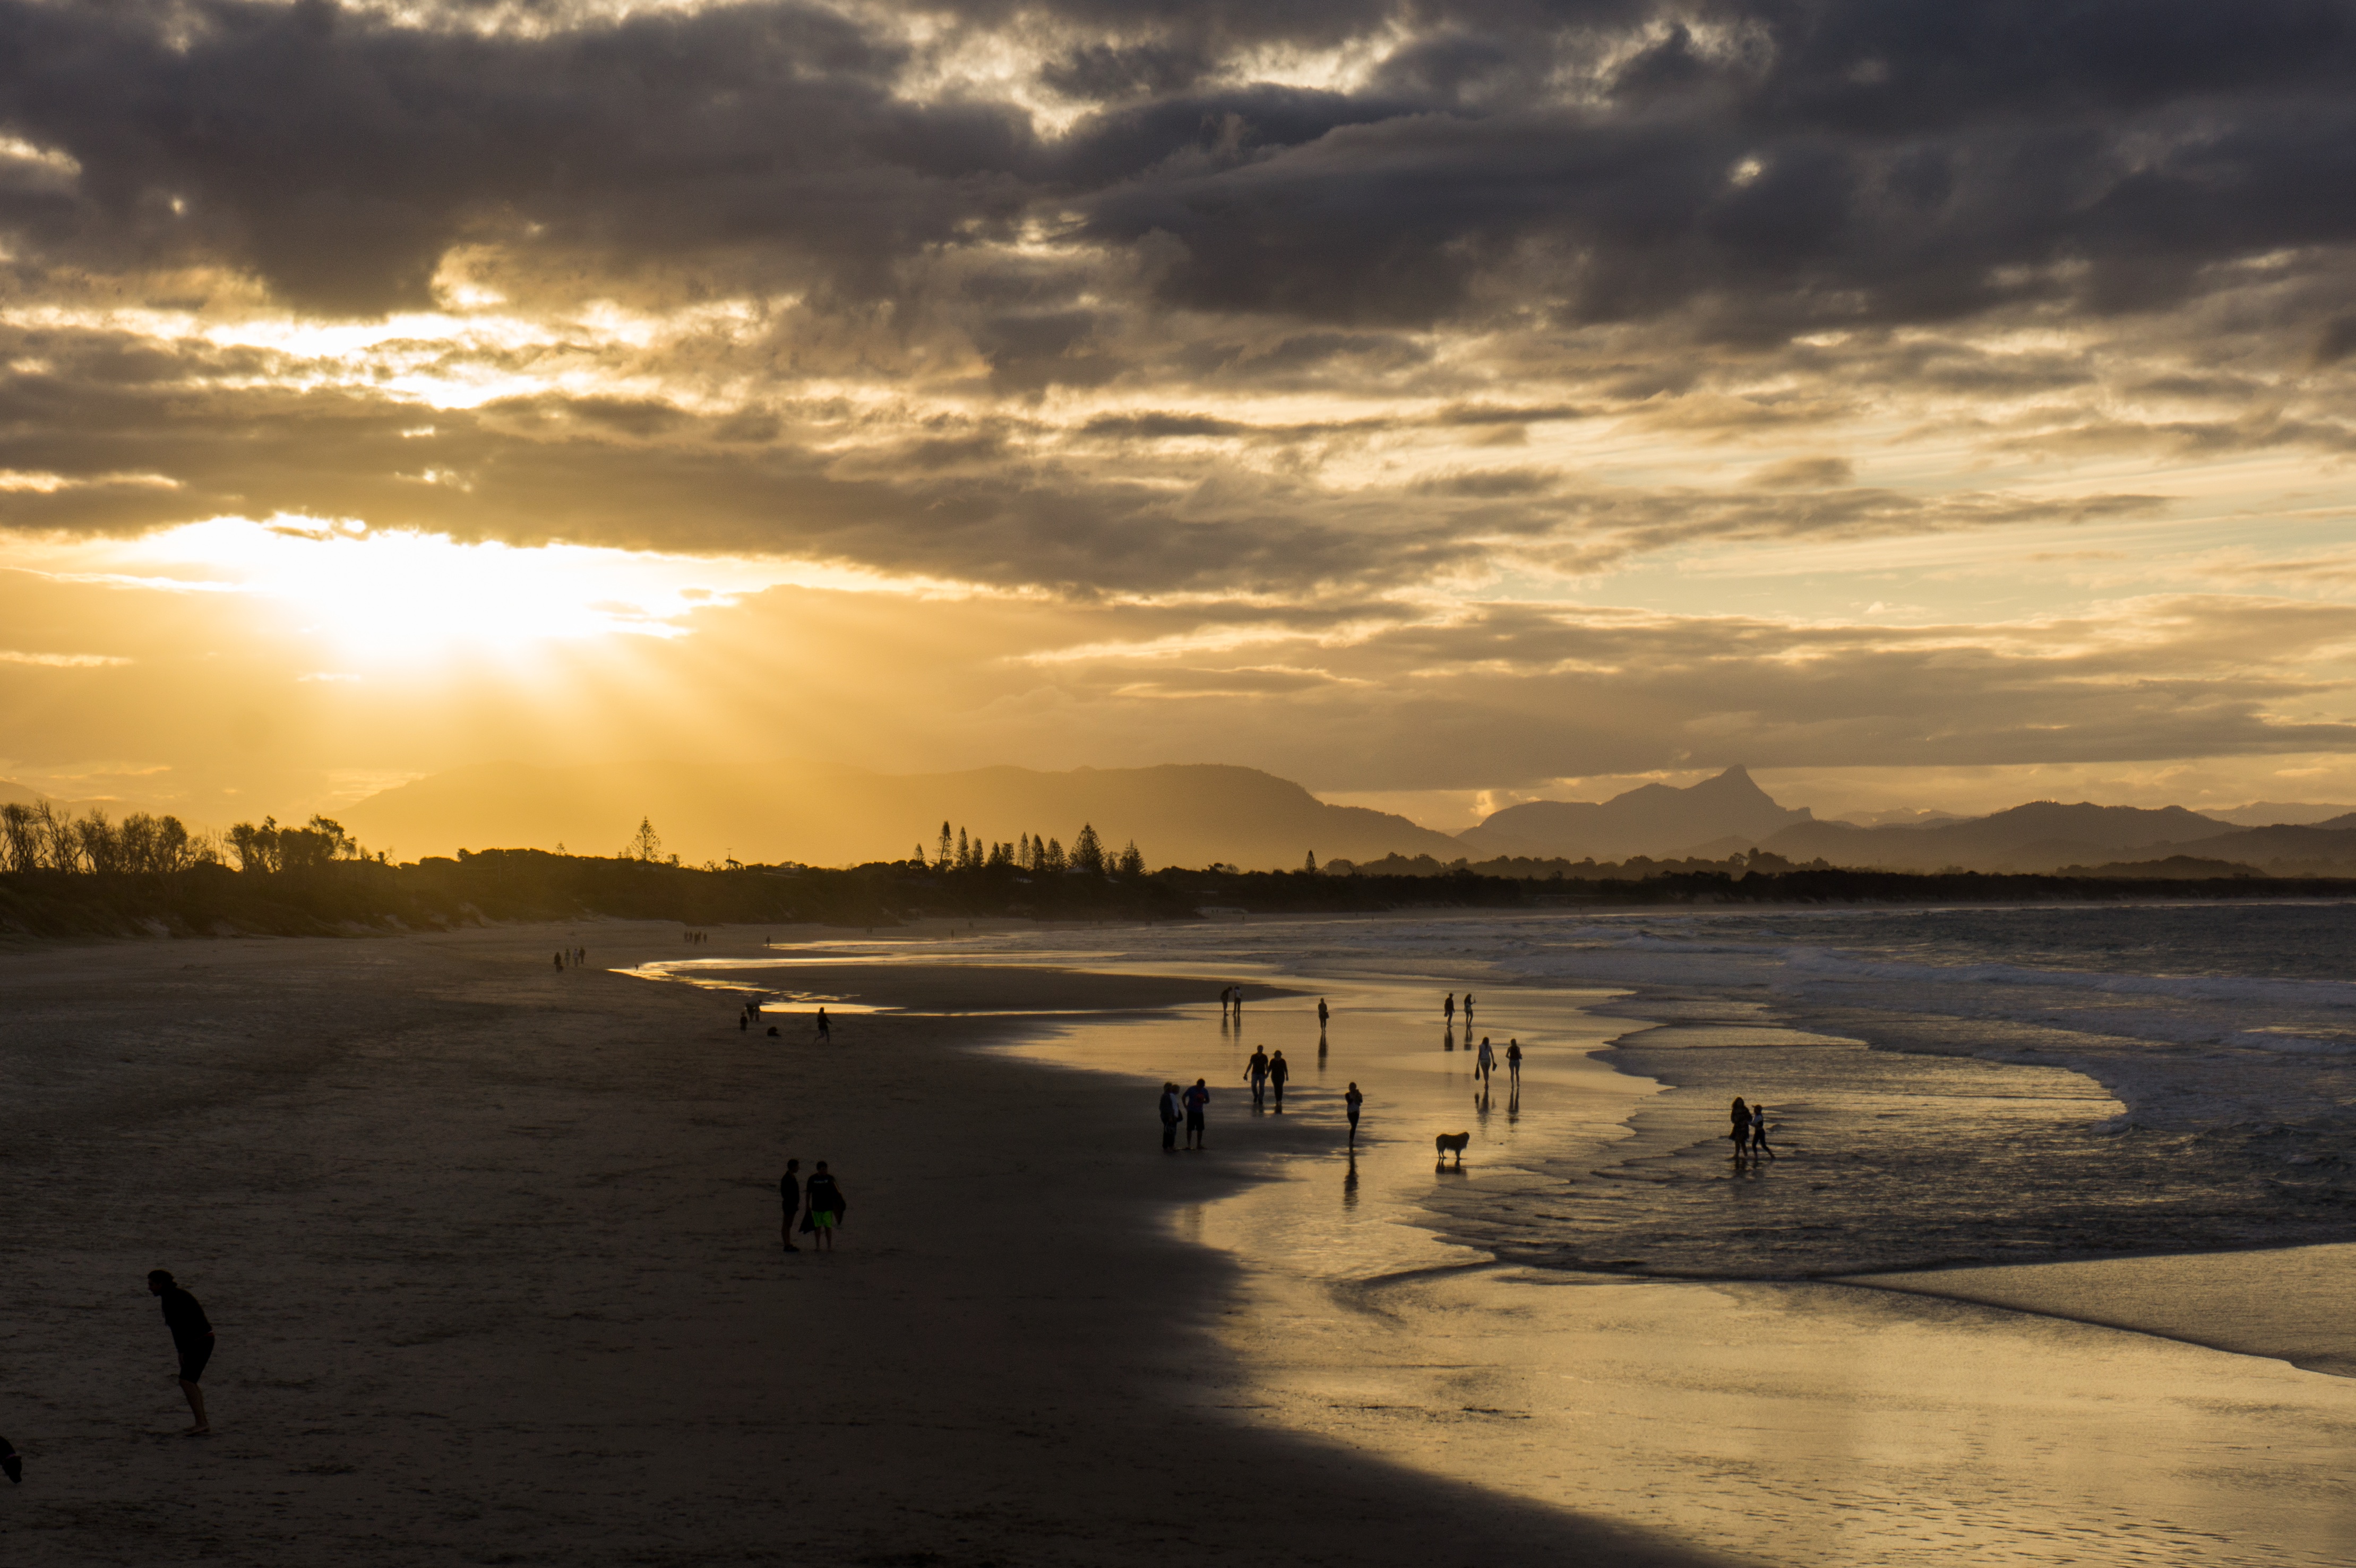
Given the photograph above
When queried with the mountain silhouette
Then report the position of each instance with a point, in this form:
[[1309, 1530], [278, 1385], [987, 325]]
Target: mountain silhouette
[[1178, 814], [2039, 837], [1724, 812]]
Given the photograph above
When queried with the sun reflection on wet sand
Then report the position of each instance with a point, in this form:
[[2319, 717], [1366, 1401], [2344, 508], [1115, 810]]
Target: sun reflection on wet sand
[[1789, 1422]]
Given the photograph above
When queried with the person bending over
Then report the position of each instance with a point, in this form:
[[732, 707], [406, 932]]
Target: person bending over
[[192, 1336]]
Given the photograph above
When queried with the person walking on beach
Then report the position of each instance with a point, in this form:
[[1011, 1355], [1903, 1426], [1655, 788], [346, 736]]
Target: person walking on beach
[[1321, 1015], [1195, 1100], [1256, 1073], [1468, 1012], [1278, 1071], [1741, 1132], [1488, 1061], [1350, 1103], [560, 963], [826, 1036], [192, 1336], [1226, 996], [790, 1193], [825, 1207], [1171, 1115], [1514, 1060], [1759, 1132], [1448, 1011]]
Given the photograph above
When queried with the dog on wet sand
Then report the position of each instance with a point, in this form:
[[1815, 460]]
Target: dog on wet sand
[[1451, 1143]]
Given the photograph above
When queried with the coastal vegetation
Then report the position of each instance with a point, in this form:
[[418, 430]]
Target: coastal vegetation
[[150, 876]]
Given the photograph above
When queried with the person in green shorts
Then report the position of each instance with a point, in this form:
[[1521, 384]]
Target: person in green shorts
[[825, 1198]]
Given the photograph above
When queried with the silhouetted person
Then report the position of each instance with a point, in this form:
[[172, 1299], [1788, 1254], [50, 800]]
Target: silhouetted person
[[192, 1336], [1759, 1132], [1468, 1015], [1350, 1103], [825, 1207], [1256, 1075], [789, 1193], [1171, 1115], [743, 1020], [1448, 1012], [560, 962], [1741, 1133], [823, 1032], [1514, 1060], [1488, 1062], [1239, 1004], [1226, 1000], [1196, 1100], [1321, 1015], [1278, 1071], [11, 1466]]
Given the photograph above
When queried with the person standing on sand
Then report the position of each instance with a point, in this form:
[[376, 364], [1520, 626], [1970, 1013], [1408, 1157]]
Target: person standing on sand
[[560, 963], [1171, 1115], [192, 1336], [1448, 1011], [1488, 1062], [1468, 1012], [1514, 1060], [825, 1207], [1350, 1103], [790, 1193], [1196, 1099], [1226, 996], [1759, 1132], [1321, 1015], [1278, 1071], [1741, 1133], [1256, 1073], [824, 1034]]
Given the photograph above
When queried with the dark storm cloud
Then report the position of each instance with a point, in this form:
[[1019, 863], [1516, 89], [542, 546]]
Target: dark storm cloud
[[1782, 162]]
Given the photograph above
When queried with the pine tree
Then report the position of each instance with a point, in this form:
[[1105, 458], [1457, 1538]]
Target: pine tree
[[1087, 851], [960, 852], [942, 859], [1052, 858], [1131, 864], [1312, 866]]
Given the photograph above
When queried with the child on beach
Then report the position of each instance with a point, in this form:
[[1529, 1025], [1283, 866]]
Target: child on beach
[[1759, 1132]]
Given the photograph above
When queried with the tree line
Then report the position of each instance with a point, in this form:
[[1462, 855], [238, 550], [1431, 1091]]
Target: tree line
[[1042, 857], [40, 837]]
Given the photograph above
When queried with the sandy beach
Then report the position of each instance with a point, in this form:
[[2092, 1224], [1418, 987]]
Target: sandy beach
[[493, 1255]]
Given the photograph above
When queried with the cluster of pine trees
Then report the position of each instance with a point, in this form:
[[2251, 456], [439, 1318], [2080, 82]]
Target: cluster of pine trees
[[40, 837], [1041, 856]]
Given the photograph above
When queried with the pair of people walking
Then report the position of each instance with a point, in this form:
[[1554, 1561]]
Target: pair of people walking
[[1263, 1071], [1748, 1132], [820, 1200]]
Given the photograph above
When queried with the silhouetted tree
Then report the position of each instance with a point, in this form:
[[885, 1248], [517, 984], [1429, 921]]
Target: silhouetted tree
[[644, 845], [943, 859], [1087, 851], [1310, 865], [1131, 863], [1051, 859]]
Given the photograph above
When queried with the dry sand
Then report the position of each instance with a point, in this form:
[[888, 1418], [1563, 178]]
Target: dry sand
[[493, 1256]]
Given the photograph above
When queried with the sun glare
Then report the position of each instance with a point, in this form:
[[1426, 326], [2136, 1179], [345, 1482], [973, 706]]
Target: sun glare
[[389, 597]]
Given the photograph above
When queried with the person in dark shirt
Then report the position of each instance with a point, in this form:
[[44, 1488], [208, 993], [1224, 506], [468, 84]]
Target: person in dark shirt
[[789, 1188], [825, 1207], [1279, 1070], [192, 1336], [1195, 1100]]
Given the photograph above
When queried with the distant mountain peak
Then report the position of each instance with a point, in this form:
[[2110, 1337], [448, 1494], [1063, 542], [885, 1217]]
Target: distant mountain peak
[[1651, 819]]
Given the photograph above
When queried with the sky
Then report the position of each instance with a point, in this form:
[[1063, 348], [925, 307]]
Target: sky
[[1937, 404]]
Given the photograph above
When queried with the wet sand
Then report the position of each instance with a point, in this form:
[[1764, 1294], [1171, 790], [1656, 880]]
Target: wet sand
[[492, 1252]]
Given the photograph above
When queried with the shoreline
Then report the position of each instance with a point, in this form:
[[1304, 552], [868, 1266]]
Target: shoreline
[[492, 1252]]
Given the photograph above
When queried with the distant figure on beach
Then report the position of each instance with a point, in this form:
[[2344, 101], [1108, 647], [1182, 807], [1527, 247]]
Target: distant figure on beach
[[1759, 1132], [1256, 1073], [11, 1466], [1448, 1011], [789, 1193], [1350, 1103], [1226, 1000], [823, 1032], [560, 961], [1239, 1004], [192, 1336], [825, 1207], [744, 1018], [1171, 1115], [1488, 1061], [1741, 1132], [1468, 1014], [1278, 1071], [1514, 1060], [1321, 1015], [1196, 1099]]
